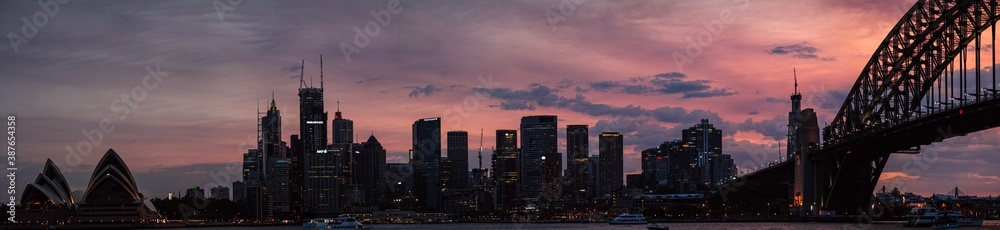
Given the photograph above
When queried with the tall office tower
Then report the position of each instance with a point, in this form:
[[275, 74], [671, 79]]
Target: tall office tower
[[270, 133], [296, 176], [458, 153], [683, 174], [444, 170], [371, 171], [707, 140], [505, 175], [793, 121], [257, 201], [594, 172], [723, 169], [238, 191], [480, 178], [610, 167], [577, 155], [655, 167], [399, 190], [321, 193], [538, 138], [278, 187], [343, 138], [276, 168], [426, 163]]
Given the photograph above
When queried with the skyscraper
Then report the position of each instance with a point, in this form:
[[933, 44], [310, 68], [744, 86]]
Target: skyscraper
[[610, 166], [257, 200], [683, 174], [296, 176], [371, 171], [321, 193], [577, 155], [343, 138], [458, 154], [594, 171], [426, 163], [538, 138], [655, 166], [723, 169], [237, 190], [504, 166], [399, 190], [276, 168], [343, 129], [707, 141]]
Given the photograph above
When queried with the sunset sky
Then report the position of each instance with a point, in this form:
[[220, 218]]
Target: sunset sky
[[644, 68]]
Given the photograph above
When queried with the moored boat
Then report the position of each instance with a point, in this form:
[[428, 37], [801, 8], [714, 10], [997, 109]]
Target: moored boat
[[629, 219], [921, 217], [332, 223]]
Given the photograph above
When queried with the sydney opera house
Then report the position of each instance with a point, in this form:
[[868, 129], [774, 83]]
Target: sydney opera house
[[111, 198]]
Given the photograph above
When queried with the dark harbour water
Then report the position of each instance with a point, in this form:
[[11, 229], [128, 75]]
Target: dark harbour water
[[989, 224]]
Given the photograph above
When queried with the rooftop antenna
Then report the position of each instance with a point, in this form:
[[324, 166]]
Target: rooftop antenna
[[796, 76], [320, 71], [302, 73], [338, 106], [480, 148]]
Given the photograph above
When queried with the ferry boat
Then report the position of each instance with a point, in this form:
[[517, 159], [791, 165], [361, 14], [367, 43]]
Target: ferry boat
[[958, 219], [332, 223], [921, 217], [629, 219]]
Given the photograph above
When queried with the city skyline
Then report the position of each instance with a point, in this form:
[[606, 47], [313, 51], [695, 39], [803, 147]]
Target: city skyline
[[626, 80]]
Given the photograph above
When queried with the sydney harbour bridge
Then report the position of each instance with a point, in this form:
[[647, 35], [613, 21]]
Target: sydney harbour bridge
[[925, 83]]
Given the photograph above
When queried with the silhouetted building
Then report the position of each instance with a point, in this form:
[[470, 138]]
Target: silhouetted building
[[655, 167], [399, 186], [480, 178], [426, 163], [707, 140], [633, 181], [504, 165], [577, 155], [195, 192], [593, 187], [723, 169], [257, 201], [276, 168], [343, 129], [321, 165], [296, 176], [458, 154], [684, 174], [610, 169], [238, 191], [371, 171], [343, 138], [220, 192], [538, 138], [278, 186]]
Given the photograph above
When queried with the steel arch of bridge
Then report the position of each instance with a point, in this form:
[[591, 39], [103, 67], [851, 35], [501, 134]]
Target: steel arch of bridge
[[908, 62], [911, 80]]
